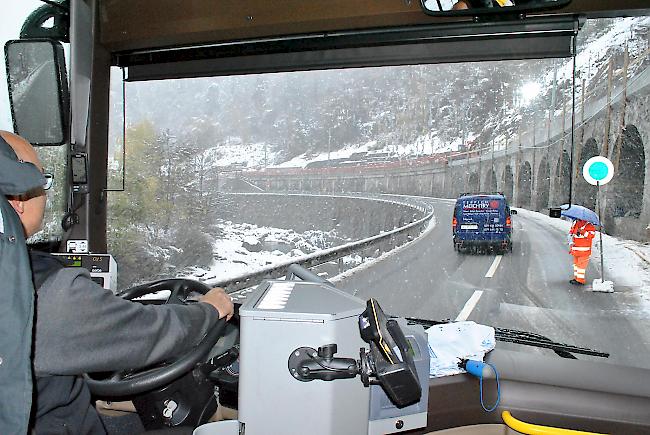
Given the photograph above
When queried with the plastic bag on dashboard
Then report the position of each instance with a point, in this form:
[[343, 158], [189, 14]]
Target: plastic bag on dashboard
[[450, 342]]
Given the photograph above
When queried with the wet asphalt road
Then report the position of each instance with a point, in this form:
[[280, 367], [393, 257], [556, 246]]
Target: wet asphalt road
[[527, 289]]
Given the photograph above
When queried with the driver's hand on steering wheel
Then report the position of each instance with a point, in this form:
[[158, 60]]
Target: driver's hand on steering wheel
[[218, 298]]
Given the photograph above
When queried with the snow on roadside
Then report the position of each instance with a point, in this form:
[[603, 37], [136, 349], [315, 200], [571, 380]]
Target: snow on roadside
[[622, 265], [641, 250]]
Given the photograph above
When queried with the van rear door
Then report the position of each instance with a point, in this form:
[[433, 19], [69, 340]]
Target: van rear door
[[483, 216]]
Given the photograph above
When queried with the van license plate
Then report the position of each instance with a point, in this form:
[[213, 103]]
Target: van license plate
[[469, 227]]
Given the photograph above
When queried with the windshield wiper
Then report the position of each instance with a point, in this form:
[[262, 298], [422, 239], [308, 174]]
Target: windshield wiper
[[538, 340], [526, 339]]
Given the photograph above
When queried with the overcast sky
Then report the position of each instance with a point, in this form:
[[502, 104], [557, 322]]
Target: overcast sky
[[11, 20]]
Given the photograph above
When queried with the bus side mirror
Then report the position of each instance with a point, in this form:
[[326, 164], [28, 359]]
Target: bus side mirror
[[555, 212], [38, 90]]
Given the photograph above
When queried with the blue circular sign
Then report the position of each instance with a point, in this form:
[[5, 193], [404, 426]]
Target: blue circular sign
[[598, 171]]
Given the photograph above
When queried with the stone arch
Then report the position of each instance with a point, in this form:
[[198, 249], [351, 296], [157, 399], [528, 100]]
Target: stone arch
[[543, 185], [457, 184], [585, 193], [490, 184], [524, 185], [359, 184], [625, 194], [562, 174], [508, 182], [378, 185], [474, 184]]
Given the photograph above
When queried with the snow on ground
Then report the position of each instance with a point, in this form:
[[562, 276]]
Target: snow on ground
[[622, 261], [245, 155], [590, 61], [431, 144], [423, 145], [245, 248], [593, 54], [303, 159]]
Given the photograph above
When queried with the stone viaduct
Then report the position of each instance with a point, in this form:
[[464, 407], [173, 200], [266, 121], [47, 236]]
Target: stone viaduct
[[532, 168]]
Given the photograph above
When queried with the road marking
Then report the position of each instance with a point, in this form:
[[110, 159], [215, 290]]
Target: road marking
[[493, 268], [469, 306]]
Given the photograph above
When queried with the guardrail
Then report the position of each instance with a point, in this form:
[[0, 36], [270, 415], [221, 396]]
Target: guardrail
[[385, 242]]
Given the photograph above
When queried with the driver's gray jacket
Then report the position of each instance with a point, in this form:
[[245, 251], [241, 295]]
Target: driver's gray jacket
[[81, 327], [17, 296]]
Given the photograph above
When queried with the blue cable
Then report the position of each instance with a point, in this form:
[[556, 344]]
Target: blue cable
[[496, 374], [476, 368]]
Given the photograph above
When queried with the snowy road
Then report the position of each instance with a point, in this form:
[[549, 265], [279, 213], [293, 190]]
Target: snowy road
[[527, 289]]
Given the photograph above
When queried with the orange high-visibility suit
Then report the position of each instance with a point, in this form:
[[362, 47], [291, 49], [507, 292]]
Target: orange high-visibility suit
[[582, 234]]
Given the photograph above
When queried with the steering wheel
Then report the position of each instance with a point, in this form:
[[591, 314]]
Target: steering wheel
[[126, 383]]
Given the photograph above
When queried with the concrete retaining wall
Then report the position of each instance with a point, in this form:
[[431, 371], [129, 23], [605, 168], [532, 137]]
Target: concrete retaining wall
[[353, 218]]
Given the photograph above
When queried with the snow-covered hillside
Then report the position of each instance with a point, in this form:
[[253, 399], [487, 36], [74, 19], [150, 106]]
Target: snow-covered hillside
[[292, 119]]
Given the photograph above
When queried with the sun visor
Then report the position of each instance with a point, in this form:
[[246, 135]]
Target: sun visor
[[468, 42]]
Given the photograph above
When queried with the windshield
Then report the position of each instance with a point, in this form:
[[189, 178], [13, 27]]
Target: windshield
[[227, 176]]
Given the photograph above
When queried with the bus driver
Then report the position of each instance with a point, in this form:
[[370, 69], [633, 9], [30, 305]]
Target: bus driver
[[80, 327]]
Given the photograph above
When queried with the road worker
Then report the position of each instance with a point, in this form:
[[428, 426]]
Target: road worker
[[582, 233]]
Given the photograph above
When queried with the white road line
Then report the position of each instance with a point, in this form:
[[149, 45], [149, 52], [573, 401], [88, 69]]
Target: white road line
[[469, 306], [493, 268]]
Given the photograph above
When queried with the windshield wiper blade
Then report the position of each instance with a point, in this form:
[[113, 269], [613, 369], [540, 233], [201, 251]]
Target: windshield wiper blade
[[527, 339], [538, 340]]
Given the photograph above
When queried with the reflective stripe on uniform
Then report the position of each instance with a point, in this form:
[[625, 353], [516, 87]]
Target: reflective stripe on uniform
[[581, 248], [580, 262]]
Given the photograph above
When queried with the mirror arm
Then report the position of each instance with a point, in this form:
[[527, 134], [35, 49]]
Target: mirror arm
[[58, 11]]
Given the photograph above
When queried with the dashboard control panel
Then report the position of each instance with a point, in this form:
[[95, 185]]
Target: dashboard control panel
[[102, 267]]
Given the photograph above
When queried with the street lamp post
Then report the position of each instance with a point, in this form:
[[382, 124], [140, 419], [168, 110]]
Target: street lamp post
[[329, 142]]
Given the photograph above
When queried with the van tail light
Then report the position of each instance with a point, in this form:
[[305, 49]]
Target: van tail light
[[454, 222], [508, 222]]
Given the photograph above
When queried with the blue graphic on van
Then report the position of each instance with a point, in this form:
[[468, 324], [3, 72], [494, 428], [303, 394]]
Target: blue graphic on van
[[482, 220]]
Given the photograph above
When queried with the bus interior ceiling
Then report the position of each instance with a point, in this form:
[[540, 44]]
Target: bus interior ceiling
[[151, 24]]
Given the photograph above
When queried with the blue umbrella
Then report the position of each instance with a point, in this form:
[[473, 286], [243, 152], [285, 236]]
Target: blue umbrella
[[579, 212]]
